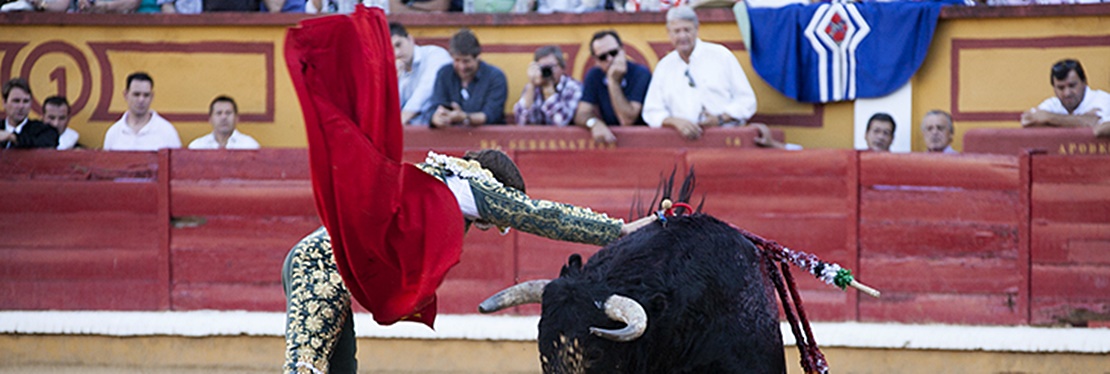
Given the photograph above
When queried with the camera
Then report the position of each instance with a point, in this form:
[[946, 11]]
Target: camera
[[545, 71]]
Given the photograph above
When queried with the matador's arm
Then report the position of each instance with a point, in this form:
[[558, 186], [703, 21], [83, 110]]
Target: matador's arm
[[507, 207]]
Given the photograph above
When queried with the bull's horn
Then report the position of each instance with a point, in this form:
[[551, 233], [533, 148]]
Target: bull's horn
[[623, 309], [530, 292]]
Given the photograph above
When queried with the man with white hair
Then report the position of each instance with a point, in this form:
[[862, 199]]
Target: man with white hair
[[937, 129], [699, 84]]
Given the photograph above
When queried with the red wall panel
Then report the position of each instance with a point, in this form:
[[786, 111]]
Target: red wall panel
[[939, 236], [803, 200], [81, 231], [238, 213], [981, 239], [1070, 227]]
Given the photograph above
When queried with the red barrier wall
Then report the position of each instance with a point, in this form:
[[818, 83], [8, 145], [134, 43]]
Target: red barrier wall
[[1060, 141], [1070, 233], [551, 138], [804, 200], [940, 234], [236, 214], [83, 230], [982, 239]]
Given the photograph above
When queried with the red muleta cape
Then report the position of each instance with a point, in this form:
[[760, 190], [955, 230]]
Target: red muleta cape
[[395, 230]]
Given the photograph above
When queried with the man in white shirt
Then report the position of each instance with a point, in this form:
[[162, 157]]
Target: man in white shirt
[[1075, 104], [697, 85], [140, 128], [223, 114], [55, 112], [416, 72]]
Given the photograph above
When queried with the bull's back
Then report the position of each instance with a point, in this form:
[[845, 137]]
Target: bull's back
[[717, 313]]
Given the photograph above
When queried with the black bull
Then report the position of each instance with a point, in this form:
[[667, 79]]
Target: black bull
[[686, 296]]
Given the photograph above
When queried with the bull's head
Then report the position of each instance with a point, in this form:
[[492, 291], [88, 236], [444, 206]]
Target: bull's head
[[579, 325], [618, 308]]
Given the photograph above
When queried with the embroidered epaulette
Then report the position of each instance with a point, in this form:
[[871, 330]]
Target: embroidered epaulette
[[466, 169]]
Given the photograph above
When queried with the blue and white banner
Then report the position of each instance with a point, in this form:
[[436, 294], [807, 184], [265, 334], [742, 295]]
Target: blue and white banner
[[837, 51]]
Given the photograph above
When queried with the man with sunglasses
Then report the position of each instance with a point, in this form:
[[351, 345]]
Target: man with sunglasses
[[697, 85], [1075, 104], [614, 90]]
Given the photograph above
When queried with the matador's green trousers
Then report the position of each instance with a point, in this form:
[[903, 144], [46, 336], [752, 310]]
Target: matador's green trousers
[[319, 328]]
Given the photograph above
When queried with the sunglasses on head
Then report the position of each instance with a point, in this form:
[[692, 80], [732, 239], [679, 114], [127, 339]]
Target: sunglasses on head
[[607, 55]]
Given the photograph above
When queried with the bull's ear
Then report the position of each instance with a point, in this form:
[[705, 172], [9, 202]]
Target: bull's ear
[[657, 303], [573, 266]]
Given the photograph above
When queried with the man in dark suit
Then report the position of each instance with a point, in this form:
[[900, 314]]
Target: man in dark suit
[[20, 131]]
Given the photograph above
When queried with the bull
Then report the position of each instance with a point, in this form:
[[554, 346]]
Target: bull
[[688, 295]]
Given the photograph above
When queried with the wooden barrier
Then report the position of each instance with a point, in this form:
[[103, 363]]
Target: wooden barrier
[[1070, 233], [804, 200], [84, 230], [980, 239], [939, 235], [1061, 141], [550, 138], [235, 216]]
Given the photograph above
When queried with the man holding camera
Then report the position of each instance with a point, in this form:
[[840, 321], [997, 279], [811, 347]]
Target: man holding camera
[[551, 96]]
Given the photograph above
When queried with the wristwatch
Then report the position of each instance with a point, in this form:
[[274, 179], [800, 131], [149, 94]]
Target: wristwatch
[[590, 123]]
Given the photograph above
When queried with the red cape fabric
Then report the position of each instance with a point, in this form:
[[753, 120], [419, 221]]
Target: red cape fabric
[[395, 230]]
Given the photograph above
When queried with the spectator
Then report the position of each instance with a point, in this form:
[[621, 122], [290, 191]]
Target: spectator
[[199, 6], [20, 131], [766, 139], [181, 6], [1075, 104], [614, 90], [697, 85], [880, 132], [348, 6], [416, 73], [18, 6], [569, 6], [140, 128], [223, 114], [423, 6], [551, 96], [55, 5], [118, 6], [55, 112], [937, 129], [283, 6], [469, 92]]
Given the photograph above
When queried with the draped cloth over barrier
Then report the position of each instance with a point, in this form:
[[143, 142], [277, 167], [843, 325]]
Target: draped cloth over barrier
[[395, 230], [838, 51]]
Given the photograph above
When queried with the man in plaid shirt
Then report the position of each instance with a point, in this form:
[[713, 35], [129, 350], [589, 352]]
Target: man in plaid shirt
[[551, 96]]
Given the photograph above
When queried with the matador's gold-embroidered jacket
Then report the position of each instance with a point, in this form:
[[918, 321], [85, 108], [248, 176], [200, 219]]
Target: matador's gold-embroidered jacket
[[508, 207]]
